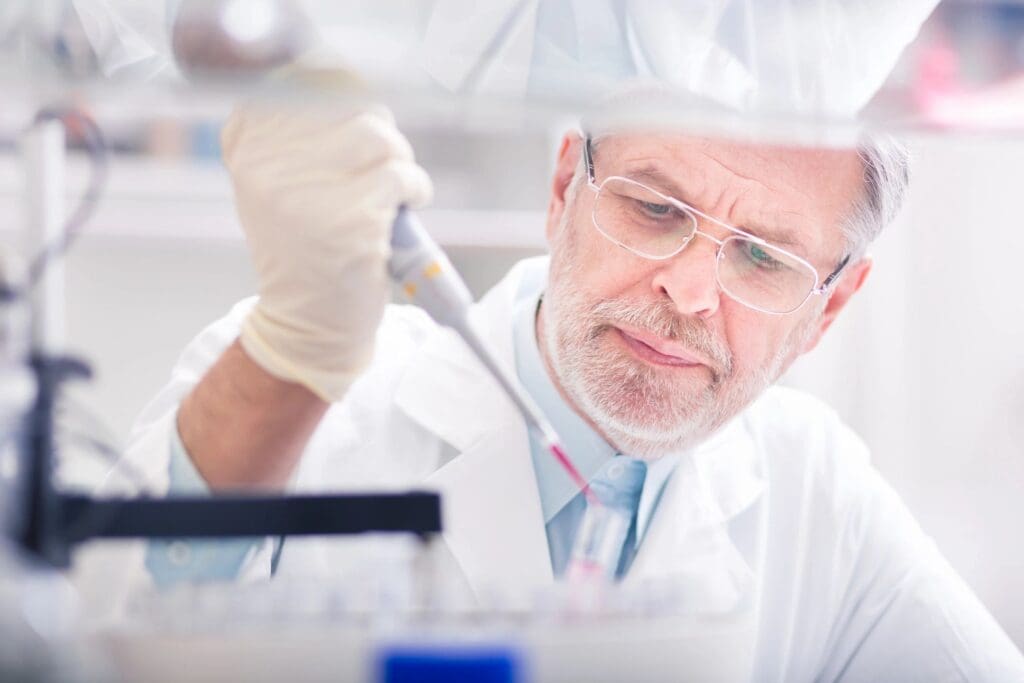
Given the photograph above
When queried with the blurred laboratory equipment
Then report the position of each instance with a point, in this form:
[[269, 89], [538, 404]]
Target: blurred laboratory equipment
[[38, 607], [961, 69], [231, 36], [329, 630], [539, 51], [598, 545], [39, 618], [17, 394]]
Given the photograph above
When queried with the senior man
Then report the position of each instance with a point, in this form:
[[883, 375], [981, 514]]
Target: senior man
[[685, 275]]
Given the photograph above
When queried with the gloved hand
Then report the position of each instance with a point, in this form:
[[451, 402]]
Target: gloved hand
[[316, 194]]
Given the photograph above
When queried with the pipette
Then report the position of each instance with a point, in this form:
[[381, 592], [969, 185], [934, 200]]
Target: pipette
[[429, 280]]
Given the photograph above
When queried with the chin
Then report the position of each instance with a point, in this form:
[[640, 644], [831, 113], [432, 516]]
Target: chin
[[650, 446], [649, 424]]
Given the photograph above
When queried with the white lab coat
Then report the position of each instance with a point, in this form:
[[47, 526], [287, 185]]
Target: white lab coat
[[781, 506]]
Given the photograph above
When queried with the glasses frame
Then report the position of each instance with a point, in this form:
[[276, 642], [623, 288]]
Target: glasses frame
[[820, 286]]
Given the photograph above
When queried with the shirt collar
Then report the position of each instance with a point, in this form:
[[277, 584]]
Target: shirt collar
[[658, 473]]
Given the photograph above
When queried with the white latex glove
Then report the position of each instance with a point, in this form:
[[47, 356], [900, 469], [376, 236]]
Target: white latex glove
[[316, 194]]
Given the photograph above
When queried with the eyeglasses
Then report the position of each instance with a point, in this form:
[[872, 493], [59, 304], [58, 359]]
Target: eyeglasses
[[657, 227]]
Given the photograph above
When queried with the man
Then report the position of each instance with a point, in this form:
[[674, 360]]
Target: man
[[686, 274]]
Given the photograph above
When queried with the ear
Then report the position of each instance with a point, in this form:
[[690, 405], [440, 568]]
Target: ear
[[852, 280], [565, 167]]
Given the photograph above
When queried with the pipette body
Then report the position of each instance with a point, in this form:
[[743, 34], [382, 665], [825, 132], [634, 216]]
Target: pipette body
[[429, 280]]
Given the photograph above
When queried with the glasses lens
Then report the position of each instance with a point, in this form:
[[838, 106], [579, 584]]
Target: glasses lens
[[763, 276], [641, 219]]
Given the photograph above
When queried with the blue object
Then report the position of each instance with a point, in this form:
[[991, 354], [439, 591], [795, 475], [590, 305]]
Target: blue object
[[449, 664], [618, 485], [172, 562]]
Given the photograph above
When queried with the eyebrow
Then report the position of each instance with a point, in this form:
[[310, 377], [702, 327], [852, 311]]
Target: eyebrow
[[662, 181]]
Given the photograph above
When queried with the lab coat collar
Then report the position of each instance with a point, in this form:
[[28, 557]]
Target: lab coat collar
[[731, 467], [493, 519]]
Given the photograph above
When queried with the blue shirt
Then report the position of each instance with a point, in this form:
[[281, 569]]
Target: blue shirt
[[173, 561], [561, 502]]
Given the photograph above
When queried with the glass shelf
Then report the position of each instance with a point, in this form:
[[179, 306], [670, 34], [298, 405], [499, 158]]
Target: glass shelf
[[963, 73]]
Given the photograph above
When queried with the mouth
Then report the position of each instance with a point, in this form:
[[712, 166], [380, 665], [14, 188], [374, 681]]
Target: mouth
[[657, 350]]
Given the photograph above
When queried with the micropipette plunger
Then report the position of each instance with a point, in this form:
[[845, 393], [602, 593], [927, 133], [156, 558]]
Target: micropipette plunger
[[429, 280]]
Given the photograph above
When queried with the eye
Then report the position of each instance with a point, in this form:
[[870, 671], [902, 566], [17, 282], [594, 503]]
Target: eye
[[656, 210], [760, 257]]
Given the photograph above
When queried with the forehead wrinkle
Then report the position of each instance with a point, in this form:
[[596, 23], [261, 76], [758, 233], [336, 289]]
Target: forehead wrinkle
[[818, 164], [760, 227], [672, 159], [750, 180]]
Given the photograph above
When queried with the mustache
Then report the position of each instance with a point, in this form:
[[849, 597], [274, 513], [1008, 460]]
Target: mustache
[[660, 318]]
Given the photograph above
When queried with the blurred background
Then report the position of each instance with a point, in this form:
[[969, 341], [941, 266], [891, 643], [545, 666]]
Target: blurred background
[[926, 363]]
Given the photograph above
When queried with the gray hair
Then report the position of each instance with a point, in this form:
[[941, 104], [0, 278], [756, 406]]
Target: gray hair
[[886, 176]]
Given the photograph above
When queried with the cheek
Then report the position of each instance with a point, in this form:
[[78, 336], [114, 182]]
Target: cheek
[[753, 337], [763, 342], [598, 268]]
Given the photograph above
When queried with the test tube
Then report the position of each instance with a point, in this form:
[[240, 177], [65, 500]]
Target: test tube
[[599, 541]]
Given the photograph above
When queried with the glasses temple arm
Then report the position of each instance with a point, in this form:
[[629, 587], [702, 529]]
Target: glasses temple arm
[[835, 273], [588, 160]]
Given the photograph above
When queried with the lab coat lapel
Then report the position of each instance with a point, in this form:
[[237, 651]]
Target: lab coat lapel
[[688, 541], [492, 516]]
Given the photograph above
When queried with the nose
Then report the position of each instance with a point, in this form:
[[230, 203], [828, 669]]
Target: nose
[[689, 278]]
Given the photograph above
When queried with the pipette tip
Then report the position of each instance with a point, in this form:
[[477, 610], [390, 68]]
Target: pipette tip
[[567, 464]]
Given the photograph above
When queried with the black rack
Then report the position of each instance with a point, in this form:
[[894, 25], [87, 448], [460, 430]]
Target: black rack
[[52, 523]]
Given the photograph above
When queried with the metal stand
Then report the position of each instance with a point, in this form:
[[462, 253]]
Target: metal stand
[[45, 175], [56, 522]]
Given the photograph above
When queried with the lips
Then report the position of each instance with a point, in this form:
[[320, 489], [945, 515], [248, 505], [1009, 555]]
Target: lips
[[658, 350]]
